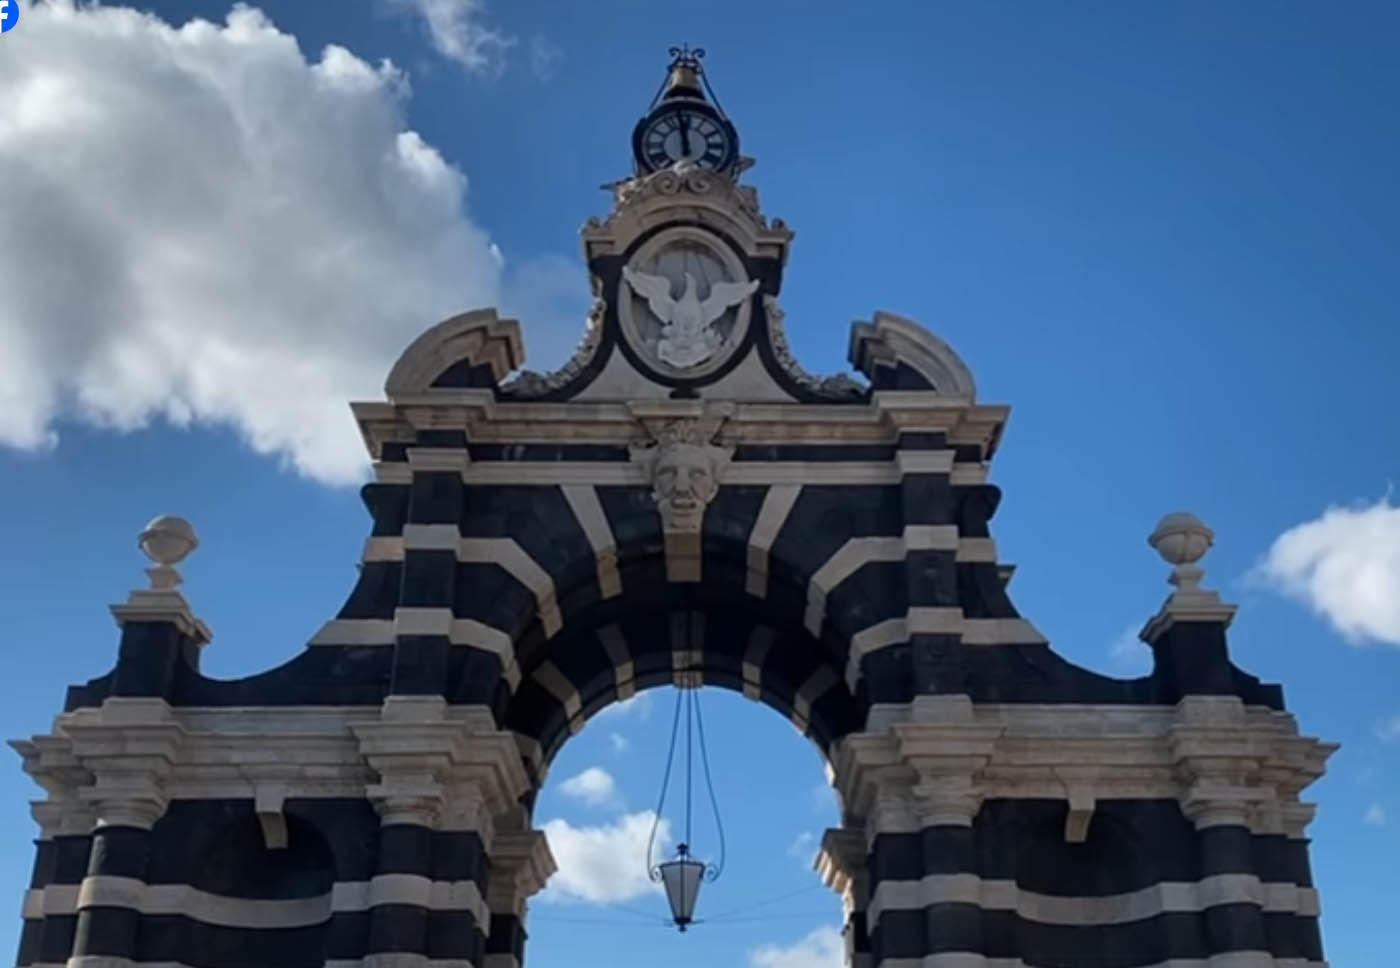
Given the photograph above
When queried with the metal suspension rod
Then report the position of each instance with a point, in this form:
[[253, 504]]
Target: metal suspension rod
[[652, 870], [714, 870], [689, 756]]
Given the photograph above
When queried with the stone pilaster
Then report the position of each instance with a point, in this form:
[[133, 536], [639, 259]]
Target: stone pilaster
[[442, 781], [919, 785], [843, 864], [1218, 759], [520, 864], [431, 537], [129, 747], [60, 863]]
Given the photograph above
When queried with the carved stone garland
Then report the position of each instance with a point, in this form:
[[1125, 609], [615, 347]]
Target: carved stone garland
[[835, 385], [532, 383]]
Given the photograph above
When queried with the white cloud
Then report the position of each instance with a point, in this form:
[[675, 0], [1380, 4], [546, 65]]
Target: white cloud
[[620, 744], [639, 704], [202, 225], [1345, 565], [605, 864], [803, 847], [458, 31], [1375, 816], [1388, 730], [594, 786], [825, 800], [823, 948], [545, 56]]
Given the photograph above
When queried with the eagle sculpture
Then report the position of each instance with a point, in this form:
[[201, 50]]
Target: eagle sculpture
[[687, 336]]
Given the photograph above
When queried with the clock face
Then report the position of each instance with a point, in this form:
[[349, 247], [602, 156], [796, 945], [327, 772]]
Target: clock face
[[682, 135]]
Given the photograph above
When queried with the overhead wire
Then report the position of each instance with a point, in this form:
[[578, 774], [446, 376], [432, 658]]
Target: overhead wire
[[754, 906]]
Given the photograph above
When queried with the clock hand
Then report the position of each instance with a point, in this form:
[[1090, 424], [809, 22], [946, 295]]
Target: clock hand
[[685, 136]]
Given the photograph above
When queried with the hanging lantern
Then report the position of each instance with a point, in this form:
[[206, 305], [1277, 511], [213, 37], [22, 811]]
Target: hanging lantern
[[682, 876]]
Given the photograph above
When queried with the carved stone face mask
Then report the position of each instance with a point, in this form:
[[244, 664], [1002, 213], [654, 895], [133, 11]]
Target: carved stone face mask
[[683, 485]]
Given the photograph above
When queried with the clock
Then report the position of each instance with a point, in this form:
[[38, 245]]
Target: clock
[[685, 132]]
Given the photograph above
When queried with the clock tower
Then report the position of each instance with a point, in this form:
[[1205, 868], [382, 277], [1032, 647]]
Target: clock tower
[[686, 272], [682, 124]]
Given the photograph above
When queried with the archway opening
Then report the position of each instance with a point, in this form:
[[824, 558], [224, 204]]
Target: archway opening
[[597, 803], [784, 702]]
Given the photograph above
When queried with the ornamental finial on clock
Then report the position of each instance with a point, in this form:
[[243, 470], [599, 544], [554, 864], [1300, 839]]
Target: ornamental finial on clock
[[684, 123]]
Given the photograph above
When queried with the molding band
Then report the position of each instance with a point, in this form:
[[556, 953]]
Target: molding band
[[345, 897], [1164, 897]]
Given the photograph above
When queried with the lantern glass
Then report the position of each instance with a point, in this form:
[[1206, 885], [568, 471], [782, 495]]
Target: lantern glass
[[681, 878]]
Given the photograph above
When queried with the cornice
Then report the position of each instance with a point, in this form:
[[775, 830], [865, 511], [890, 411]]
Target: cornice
[[1223, 761], [486, 420]]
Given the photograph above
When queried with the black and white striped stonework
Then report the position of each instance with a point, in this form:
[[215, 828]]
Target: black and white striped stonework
[[521, 587], [207, 893], [544, 602], [50, 905], [1143, 890], [467, 586], [428, 895]]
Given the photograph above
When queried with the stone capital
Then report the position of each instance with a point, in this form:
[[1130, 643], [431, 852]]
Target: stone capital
[[919, 771], [63, 818], [842, 858], [948, 799], [130, 747], [435, 770], [521, 863], [1215, 805], [842, 862], [131, 806]]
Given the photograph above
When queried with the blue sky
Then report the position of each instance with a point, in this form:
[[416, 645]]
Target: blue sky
[[1166, 234]]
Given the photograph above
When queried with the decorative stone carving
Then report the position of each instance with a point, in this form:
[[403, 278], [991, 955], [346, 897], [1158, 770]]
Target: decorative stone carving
[[166, 540], [531, 383], [683, 178], [889, 340], [688, 336], [1182, 540], [436, 771], [477, 338], [836, 385], [685, 470], [521, 863], [684, 299], [130, 747]]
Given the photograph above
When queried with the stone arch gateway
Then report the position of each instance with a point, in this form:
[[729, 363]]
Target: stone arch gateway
[[680, 503]]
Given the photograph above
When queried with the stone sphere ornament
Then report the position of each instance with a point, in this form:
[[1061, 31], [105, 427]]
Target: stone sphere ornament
[[167, 540], [1182, 539]]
